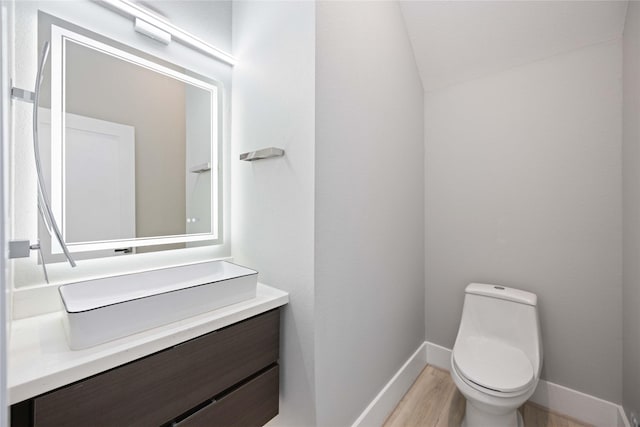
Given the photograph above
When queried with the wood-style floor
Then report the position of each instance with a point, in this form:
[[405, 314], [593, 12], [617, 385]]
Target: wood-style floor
[[434, 401]]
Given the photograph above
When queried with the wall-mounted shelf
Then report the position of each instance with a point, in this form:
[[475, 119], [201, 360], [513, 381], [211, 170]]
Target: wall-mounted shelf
[[265, 153], [203, 167], [23, 95]]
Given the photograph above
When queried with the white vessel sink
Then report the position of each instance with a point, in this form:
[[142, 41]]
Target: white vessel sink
[[102, 310]]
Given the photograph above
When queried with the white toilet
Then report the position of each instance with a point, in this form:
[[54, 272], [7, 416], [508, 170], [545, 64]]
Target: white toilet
[[497, 356]]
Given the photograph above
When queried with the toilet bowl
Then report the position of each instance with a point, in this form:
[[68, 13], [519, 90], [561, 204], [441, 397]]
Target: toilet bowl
[[497, 356]]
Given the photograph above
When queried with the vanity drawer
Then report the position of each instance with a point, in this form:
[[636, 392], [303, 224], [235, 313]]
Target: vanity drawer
[[250, 405], [156, 389]]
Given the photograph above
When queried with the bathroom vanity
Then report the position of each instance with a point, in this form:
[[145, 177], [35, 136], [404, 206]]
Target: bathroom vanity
[[133, 142], [133, 162], [218, 368]]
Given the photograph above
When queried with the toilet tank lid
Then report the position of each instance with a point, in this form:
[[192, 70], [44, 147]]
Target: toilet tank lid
[[502, 292]]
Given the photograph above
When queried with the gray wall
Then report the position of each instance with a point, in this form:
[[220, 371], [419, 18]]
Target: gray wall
[[198, 113], [272, 200], [631, 211], [369, 251], [523, 188]]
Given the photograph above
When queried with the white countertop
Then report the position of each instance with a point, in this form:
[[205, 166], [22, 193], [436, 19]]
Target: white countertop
[[40, 359]]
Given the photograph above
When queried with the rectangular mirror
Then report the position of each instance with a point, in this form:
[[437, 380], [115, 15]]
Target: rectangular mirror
[[134, 148]]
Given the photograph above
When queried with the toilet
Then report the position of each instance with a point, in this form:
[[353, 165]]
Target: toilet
[[497, 357]]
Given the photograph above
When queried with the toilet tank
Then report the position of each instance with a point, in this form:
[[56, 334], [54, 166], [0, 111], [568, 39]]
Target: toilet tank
[[506, 314]]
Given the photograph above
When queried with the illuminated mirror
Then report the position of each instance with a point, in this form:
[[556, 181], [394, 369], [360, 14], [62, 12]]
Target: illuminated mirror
[[134, 149]]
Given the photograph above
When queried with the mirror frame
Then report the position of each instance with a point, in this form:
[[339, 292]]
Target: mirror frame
[[59, 37]]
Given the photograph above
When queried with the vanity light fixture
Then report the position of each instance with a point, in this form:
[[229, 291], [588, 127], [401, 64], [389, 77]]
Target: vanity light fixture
[[143, 27], [132, 10]]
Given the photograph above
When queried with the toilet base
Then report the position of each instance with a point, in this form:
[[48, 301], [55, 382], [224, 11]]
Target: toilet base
[[476, 418]]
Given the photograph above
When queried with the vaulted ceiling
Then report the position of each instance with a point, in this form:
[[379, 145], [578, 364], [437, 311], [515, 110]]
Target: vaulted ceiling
[[454, 41]]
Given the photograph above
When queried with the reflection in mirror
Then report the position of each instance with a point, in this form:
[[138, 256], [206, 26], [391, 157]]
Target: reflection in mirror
[[134, 148]]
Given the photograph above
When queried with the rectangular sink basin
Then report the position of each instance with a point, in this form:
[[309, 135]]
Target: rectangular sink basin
[[102, 310]]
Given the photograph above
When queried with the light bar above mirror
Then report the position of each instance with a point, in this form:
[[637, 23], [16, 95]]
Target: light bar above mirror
[[133, 10]]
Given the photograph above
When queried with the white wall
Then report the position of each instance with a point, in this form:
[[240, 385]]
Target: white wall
[[523, 188], [631, 211], [92, 16], [208, 20], [369, 251], [272, 200]]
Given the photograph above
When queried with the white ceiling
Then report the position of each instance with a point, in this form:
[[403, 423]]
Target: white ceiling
[[454, 41]]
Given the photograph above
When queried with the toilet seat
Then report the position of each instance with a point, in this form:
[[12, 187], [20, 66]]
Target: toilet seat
[[493, 364]]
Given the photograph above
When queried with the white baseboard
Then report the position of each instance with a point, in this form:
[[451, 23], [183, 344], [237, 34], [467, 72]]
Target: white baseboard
[[557, 398], [438, 356], [576, 404], [623, 421], [385, 402]]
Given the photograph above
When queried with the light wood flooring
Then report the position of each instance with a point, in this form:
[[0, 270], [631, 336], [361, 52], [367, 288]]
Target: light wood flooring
[[434, 401]]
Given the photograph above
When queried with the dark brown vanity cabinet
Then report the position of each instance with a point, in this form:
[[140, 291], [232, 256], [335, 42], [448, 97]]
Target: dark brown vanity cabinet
[[228, 377]]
